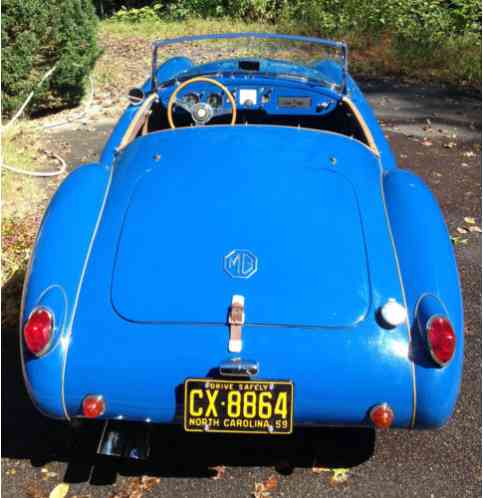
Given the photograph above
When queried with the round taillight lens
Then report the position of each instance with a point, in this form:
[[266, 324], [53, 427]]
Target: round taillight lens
[[93, 406], [38, 331], [441, 339], [382, 416]]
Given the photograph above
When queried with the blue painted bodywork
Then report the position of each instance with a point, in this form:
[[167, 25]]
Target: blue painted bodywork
[[129, 259]]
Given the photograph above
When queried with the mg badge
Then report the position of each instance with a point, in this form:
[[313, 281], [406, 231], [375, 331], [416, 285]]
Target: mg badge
[[241, 263]]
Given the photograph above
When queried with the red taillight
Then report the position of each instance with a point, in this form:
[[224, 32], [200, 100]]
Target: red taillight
[[382, 416], [441, 339], [93, 406], [38, 331]]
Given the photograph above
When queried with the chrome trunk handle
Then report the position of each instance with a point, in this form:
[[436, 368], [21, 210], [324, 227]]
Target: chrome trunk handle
[[237, 367]]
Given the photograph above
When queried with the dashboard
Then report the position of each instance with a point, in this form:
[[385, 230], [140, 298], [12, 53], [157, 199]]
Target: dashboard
[[279, 98]]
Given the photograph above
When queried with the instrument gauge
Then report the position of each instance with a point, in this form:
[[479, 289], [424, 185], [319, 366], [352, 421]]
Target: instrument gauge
[[215, 100], [191, 98]]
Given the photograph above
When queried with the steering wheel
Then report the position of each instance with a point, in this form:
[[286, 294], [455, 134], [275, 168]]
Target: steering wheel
[[201, 112]]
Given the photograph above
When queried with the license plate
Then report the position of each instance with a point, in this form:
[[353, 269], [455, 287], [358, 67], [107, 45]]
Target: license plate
[[256, 407]]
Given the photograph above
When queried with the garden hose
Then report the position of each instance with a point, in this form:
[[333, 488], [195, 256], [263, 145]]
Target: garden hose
[[57, 172], [63, 167]]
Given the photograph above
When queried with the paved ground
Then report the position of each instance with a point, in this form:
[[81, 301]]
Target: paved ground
[[433, 133]]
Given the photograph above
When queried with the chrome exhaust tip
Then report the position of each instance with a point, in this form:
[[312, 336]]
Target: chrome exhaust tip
[[125, 440]]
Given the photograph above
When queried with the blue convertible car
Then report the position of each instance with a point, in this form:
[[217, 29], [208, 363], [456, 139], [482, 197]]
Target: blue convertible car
[[245, 256]]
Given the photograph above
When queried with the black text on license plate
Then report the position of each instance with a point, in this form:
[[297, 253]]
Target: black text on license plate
[[260, 407]]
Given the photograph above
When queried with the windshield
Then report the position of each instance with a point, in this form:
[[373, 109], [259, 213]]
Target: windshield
[[320, 62]]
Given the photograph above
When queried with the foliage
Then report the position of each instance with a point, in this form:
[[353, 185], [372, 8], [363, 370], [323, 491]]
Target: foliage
[[414, 34], [260, 10], [36, 34], [413, 18], [410, 19]]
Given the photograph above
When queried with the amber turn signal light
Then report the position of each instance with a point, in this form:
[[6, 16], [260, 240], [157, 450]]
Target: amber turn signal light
[[93, 406], [382, 416]]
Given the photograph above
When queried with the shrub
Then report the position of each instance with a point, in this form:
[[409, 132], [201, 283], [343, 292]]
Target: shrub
[[251, 10], [36, 34]]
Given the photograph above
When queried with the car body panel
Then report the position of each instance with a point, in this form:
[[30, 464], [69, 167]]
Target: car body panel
[[429, 271], [56, 267], [130, 327]]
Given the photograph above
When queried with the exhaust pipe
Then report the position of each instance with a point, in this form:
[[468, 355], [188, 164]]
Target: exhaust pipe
[[125, 440]]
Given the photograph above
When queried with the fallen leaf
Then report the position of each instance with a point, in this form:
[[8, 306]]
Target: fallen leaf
[[149, 483], [220, 472], [469, 154], [470, 220], [60, 491], [319, 470], [427, 143], [461, 230], [33, 491], [271, 483], [475, 229], [260, 491], [449, 145], [340, 476]]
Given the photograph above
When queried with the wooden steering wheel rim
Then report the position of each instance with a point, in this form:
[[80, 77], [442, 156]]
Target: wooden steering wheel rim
[[227, 92]]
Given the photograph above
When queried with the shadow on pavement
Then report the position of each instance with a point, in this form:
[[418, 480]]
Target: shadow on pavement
[[26, 434]]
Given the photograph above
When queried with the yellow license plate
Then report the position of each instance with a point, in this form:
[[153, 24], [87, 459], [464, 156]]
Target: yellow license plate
[[256, 407]]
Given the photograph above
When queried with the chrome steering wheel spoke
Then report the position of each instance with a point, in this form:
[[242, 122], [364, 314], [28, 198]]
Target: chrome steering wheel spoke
[[187, 106]]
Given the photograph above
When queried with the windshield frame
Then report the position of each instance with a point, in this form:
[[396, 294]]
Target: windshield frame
[[342, 46]]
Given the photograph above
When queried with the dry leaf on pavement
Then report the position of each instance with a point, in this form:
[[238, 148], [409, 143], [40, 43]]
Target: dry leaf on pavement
[[458, 240], [319, 470], [461, 230], [475, 229], [265, 488], [60, 491], [470, 220], [34, 491], [220, 472], [149, 483], [340, 476], [271, 483]]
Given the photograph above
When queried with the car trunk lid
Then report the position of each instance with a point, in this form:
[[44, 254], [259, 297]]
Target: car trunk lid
[[278, 225]]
